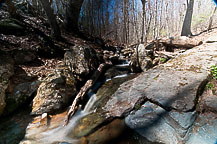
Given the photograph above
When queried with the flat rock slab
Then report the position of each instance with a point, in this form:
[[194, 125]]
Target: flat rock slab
[[204, 130], [159, 125], [173, 85]]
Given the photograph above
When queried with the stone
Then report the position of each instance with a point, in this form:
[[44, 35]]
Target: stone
[[117, 71], [6, 71], [208, 100], [21, 93], [81, 60], [107, 133], [158, 125], [173, 85], [93, 121], [54, 93], [204, 130], [141, 60]]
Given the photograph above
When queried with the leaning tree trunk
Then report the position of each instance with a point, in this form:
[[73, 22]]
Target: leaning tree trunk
[[72, 14], [211, 19], [51, 18], [186, 28]]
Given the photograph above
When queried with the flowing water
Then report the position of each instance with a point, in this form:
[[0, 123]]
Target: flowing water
[[54, 131], [61, 133]]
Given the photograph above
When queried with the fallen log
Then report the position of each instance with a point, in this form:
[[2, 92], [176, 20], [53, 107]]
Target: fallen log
[[186, 43], [85, 89]]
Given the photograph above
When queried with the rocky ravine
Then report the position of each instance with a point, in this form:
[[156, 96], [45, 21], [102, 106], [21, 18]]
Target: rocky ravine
[[171, 92]]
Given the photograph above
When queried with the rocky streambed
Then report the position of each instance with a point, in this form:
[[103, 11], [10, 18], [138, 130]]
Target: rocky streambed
[[168, 103]]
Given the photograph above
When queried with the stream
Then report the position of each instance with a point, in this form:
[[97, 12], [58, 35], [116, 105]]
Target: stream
[[21, 126]]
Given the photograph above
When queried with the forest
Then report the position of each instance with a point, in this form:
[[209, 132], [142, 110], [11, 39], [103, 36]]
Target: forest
[[108, 72]]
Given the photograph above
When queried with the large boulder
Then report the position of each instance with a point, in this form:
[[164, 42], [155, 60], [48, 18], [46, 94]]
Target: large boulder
[[141, 59], [55, 92], [158, 125], [174, 85], [81, 60], [21, 94], [173, 90], [6, 71]]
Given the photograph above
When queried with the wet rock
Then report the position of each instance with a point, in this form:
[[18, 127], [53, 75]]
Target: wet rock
[[55, 92], [13, 128], [204, 130], [106, 133], [93, 121], [6, 71], [117, 71], [81, 60], [20, 95], [159, 125]]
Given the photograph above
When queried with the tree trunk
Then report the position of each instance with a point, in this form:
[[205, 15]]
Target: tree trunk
[[51, 18], [143, 19], [186, 28], [72, 14], [211, 19], [12, 9]]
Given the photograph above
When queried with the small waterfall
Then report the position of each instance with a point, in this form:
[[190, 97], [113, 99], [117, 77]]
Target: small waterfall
[[90, 103], [60, 134]]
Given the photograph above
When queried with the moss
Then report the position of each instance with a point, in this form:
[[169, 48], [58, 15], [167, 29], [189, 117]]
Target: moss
[[137, 106], [163, 60], [209, 85]]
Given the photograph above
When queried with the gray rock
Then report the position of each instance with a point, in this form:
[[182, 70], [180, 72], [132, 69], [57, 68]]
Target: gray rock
[[204, 130], [20, 95], [159, 125], [173, 85], [208, 101], [6, 71], [141, 60], [54, 93], [117, 71], [81, 60]]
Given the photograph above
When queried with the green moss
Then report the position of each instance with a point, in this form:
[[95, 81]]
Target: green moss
[[137, 106], [214, 71], [210, 86], [163, 60]]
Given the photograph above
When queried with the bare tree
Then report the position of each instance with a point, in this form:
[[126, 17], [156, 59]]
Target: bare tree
[[73, 9], [186, 28], [51, 18], [211, 19]]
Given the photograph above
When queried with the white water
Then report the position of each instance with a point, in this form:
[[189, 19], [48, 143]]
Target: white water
[[126, 63], [119, 76], [60, 134]]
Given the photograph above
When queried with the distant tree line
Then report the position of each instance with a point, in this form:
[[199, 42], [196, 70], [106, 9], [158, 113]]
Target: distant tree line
[[125, 21]]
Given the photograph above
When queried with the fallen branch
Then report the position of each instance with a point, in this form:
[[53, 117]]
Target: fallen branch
[[84, 90]]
